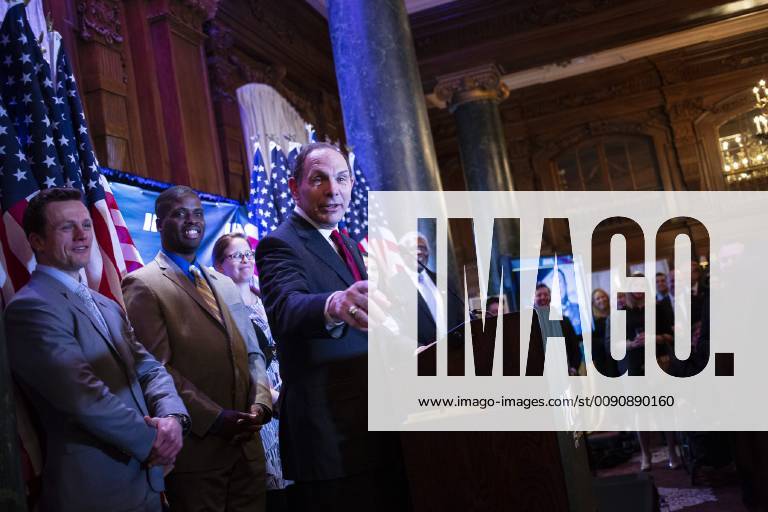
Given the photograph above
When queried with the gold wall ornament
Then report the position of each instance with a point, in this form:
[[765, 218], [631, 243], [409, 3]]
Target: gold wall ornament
[[475, 84]]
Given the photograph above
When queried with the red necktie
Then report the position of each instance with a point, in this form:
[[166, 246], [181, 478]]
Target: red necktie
[[346, 255]]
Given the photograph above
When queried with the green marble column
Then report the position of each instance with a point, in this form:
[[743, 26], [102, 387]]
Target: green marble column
[[473, 96], [482, 146]]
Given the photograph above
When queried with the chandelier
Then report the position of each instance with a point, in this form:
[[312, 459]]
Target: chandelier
[[744, 143], [761, 119]]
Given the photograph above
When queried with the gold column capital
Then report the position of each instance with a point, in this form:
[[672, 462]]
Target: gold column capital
[[475, 84]]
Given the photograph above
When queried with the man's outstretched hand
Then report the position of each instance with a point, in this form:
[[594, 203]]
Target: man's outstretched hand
[[355, 300], [352, 300]]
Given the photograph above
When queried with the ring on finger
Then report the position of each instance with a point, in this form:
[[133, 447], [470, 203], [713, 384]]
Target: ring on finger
[[352, 310]]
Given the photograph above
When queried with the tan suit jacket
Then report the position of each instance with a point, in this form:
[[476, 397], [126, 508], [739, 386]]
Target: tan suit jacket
[[207, 359]]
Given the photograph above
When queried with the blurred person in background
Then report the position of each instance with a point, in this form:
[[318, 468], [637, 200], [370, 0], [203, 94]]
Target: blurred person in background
[[543, 299], [601, 335], [634, 362]]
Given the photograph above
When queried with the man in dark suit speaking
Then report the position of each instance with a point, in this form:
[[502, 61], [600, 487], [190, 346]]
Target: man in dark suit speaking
[[315, 292]]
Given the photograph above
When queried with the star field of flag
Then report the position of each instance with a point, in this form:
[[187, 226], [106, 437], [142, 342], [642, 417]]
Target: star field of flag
[[356, 218], [44, 143], [281, 171], [261, 206]]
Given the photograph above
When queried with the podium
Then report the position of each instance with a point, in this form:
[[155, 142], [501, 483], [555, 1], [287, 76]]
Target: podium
[[494, 471]]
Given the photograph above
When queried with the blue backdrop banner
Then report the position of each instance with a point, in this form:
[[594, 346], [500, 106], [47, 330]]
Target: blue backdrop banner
[[138, 208]]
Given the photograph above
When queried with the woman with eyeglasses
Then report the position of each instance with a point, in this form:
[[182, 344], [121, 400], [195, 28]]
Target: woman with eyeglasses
[[233, 257]]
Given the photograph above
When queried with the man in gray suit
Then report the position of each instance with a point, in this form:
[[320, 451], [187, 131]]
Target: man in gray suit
[[109, 411]]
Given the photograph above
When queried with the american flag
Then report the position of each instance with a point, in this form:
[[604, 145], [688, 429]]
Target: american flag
[[293, 151], [381, 243], [278, 177], [356, 219], [261, 206], [44, 143]]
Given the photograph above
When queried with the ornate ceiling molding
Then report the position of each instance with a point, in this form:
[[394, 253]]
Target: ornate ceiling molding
[[230, 70], [739, 102], [686, 110], [476, 84], [676, 67], [548, 145], [186, 14], [100, 18], [565, 99], [201, 9], [489, 20]]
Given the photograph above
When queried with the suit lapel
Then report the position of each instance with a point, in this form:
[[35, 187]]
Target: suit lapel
[[77, 303], [213, 282], [121, 340], [356, 255], [177, 276], [115, 340], [322, 248], [115, 333]]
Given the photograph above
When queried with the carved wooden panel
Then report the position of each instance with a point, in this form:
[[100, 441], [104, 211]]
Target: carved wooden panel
[[95, 40], [194, 104], [145, 107], [100, 18], [175, 29]]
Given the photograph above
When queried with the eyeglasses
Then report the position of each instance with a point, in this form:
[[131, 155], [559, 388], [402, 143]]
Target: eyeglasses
[[248, 255]]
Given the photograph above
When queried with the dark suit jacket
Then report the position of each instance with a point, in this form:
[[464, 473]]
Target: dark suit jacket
[[323, 422], [207, 359], [455, 313], [91, 389]]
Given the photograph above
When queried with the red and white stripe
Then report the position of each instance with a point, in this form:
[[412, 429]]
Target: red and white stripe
[[18, 261], [384, 253], [113, 254]]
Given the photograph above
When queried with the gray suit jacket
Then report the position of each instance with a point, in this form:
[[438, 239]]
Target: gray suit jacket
[[91, 390]]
